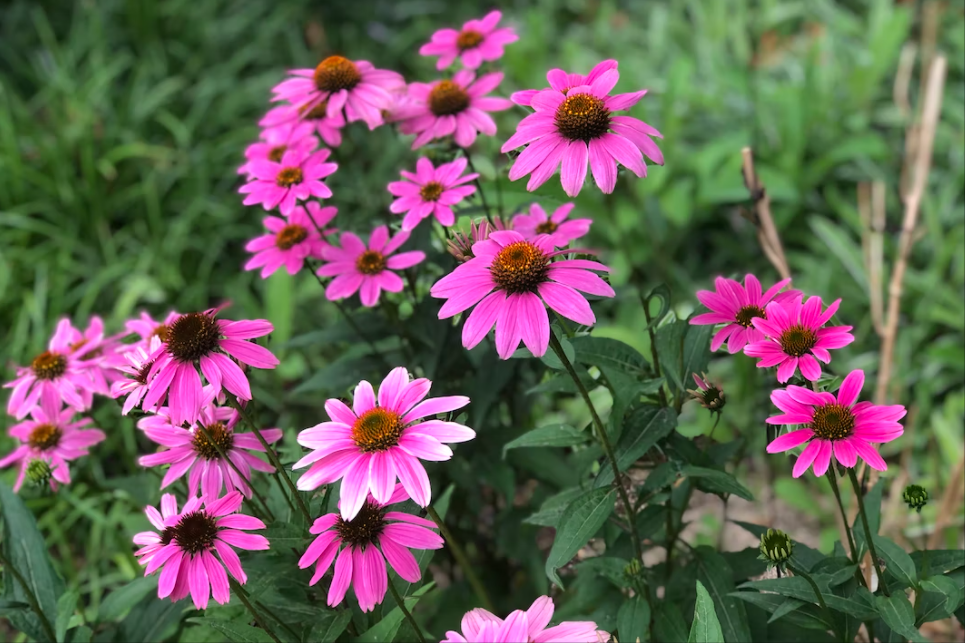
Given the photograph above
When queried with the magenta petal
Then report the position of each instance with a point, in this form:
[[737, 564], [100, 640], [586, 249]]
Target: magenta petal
[[790, 440]]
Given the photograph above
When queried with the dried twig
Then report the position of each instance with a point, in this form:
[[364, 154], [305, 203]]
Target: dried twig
[[766, 230], [876, 246]]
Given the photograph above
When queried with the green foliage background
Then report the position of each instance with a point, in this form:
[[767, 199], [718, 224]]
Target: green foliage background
[[122, 124]]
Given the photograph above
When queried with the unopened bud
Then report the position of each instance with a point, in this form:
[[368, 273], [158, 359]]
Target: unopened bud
[[776, 547], [39, 472], [710, 396], [915, 496]]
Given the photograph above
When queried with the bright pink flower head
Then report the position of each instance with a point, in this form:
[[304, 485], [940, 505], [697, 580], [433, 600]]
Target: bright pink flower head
[[99, 353], [315, 119], [834, 424], [737, 306], [457, 107], [275, 141], [563, 82], [367, 541], [198, 340], [367, 269], [478, 41], [296, 177], [339, 83], [137, 367], [795, 337], [510, 279], [291, 242], [49, 435], [560, 231], [579, 129], [431, 191], [146, 327], [185, 547], [62, 372], [379, 440], [482, 626], [189, 451]]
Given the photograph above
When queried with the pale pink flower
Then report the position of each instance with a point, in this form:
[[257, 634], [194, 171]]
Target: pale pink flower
[[834, 424], [381, 439], [51, 436], [291, 242], [367, 270], [198, 340], [482, 626], [563, 82], [355, 86], [454, 107], [737, 306], [146, 327], [795, 337], [185, 547], [295, 178], [431, 191], [510, 279], [579, 129], [189, 451], [316, 118], [137, 368], [477, 41], [375, 535], [560, 230], [275, 141]]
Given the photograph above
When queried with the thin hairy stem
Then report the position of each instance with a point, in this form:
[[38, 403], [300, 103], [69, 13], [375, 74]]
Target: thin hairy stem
[[245, 599], [479, 188], [867, 532], [817, 592], [224, 456], [460, 555], [653, 347], [406, 612]]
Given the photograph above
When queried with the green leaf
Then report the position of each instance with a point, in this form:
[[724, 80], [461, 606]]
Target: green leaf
[[608, 567], [806, 617], [797, 587], [80, 634], [580, 521], [330, 625], [554, 435], [151, 620], [385, 629], [899, 615], [941, 598], [120, 600], [24, 548], [644, 427], [550, 358], [668, 622], [424, 556], [236, 630], [670, 348], [661, 292], [899, 563], [633, 620], [705, 627], [872, 505], [609, 353], [65, 609], [714, 572], [940, 561], [714, 481], [788, 606], [553, 507]]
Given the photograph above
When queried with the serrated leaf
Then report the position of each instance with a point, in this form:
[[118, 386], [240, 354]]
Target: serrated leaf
[[606, 352], [644, 427], [124, 598], [899, 563], [899, 615], [705, 627], [554, 435], [633, 620], [715, 481], [580, 521], [236, 630]]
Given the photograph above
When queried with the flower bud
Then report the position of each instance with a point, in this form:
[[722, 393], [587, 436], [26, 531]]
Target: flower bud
[[776, 547], [710, 396], [39, 472], [915, 496]]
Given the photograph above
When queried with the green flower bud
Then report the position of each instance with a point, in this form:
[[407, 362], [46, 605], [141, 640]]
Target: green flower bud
[[915, 496], [632, 569], [710, 396], [38, 472], [776, 547]]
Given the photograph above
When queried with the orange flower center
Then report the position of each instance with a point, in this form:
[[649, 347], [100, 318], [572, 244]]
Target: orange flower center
[[377, 429], [289, 236], [49, 366], [431, 191], [220, 436], [275, 153], [468, 39], [336, 73], [288, 177], [519, 267], [832, 422], [44, 437], [796, 341], [582, 117], [747, 313], [370, 262], [447, 98], [193, 336]]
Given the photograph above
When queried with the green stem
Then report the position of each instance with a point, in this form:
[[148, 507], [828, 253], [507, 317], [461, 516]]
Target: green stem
[[274, 617], [482, 195], [653, 347], [605, 441], [225, 458], [31, 597], [833, 479], [406, 612], [245, 599], [882, 583], [817, 592], [273, 457], [460, 554]]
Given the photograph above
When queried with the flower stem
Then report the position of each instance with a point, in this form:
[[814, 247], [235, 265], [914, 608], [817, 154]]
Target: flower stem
[[817, 592], [653, 347], [605, 441], [273, 457], [31, 597], [482, 195], [882, 583], [462, 559], [833, 479], [406, 612], [245, 599], [225, 458]]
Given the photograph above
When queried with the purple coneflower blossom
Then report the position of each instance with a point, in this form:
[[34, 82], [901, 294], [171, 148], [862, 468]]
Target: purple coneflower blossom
[[431, 191], [560, 230], [296, 177], [563, 82], [290, 242], [476, 42], [482, 626], [137, 368], [316, 118], [275, 141]]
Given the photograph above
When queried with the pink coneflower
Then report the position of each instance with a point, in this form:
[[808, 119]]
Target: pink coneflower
[[146, 326], [189, 451], [834, 424], [560, 231], [358, 87], [275, 141], [737, 306], [379, 440], [510, 278], [291, 241], [579, 128], [795, 337], [198, 340], [478, 41], [367, 269], [482, 626], [97, 352], [59, 373], [563, 82], [367, 541], [50, 436], [431, 191], [316, 119], [296, 177], [456, 107], [137, 368], [184, 549]]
